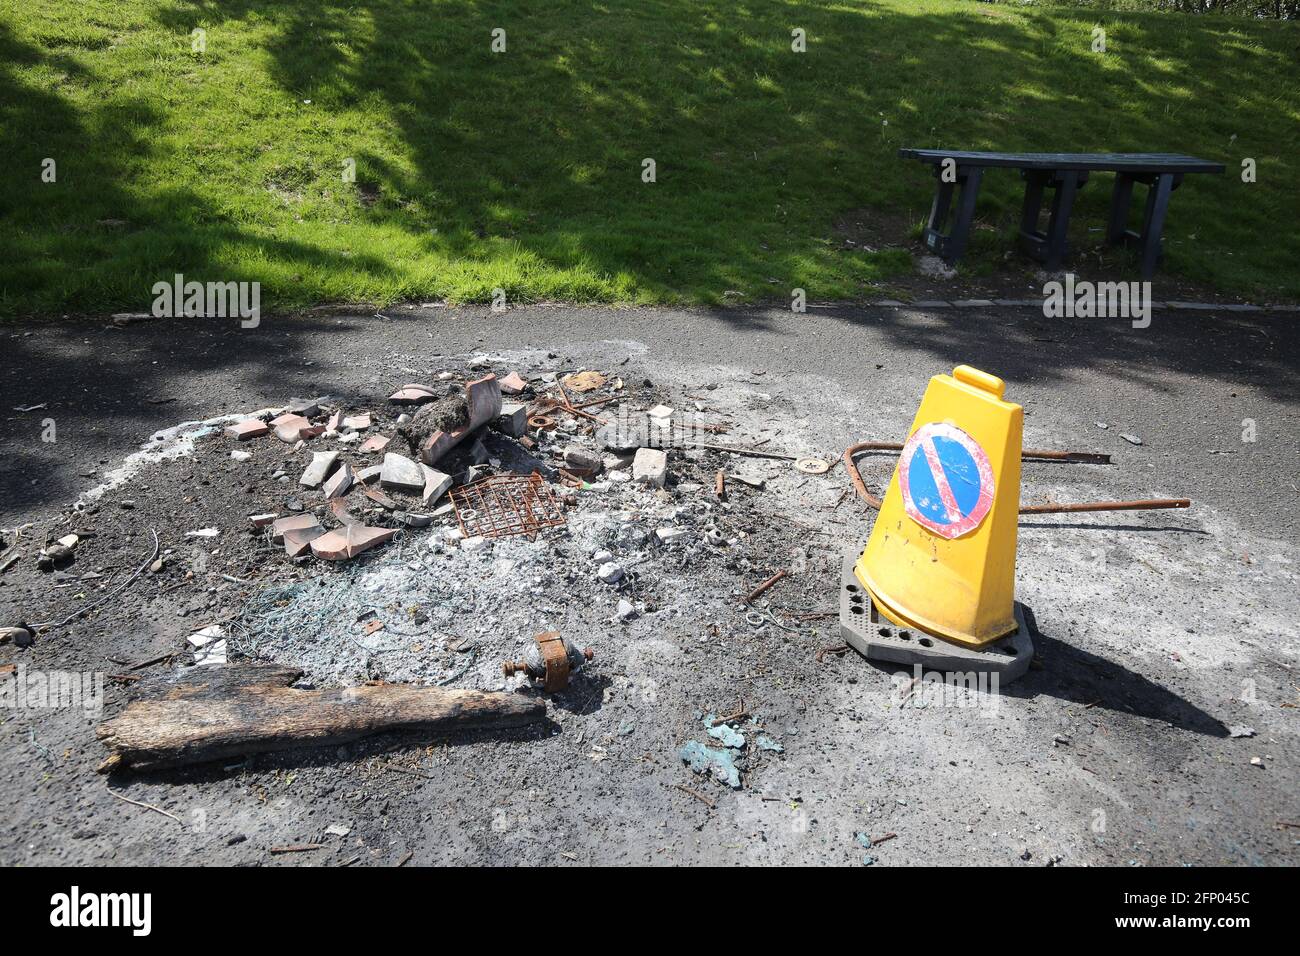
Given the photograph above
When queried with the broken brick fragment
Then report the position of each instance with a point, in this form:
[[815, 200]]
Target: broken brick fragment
[[373, 444], [412, 395], [290, 428], [337, 485], [322, 464], [283, 526], [513, 384], [248, 428], [349, 541], [297, 541], [401, 473], [483, 403]]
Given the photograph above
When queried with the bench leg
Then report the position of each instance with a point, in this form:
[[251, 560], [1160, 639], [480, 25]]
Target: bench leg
[[951, 246], [1120, 202], [1035, 183], [1050, 246], [1059, 225], [1154, 222]]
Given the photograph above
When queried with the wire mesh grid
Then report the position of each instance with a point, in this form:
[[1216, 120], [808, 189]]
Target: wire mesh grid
[[505, 505]]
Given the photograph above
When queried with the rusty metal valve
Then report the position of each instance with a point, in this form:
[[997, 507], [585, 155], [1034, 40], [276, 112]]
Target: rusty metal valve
[[549, 661]]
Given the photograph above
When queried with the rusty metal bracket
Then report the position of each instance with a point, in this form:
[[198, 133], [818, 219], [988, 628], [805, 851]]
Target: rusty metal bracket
[[551, 663]]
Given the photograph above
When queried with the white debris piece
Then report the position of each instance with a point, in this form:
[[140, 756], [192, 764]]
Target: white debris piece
[[322, 463], [650, 467]]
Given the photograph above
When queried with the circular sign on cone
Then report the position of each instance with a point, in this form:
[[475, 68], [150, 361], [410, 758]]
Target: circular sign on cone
[[946, 480]]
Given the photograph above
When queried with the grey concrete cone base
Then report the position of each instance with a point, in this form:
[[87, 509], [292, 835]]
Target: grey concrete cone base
[[878, 639]]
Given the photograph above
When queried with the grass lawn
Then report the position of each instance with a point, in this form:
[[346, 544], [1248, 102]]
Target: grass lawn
[[523, 170]]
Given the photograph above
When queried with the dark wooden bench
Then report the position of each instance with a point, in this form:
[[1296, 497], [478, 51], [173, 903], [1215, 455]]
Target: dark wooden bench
[[1065, 174]]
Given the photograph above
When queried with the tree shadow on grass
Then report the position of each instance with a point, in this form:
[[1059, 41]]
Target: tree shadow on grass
[[749, 137]]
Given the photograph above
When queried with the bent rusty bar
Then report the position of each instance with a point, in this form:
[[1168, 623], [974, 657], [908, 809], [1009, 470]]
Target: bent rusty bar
[[1027, 454]]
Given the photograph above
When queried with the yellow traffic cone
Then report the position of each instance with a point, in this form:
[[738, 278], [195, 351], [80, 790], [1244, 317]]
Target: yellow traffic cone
[[942, 555]]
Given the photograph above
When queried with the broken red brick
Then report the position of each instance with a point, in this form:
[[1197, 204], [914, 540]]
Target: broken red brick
[[261, 521], [357, 422], [412, 395], [339, 508], [292, 523], [373, 444], [513, 384], [248, 428], [290, 428], [337, 485], [483, 397], [350, 541], [336, 421], [297, 541]]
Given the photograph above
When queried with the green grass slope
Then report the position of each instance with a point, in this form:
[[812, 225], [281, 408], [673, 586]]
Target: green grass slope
[[523, 170]]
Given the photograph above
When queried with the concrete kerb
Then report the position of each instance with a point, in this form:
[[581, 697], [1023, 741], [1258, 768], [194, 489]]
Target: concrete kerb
[[927, 304]]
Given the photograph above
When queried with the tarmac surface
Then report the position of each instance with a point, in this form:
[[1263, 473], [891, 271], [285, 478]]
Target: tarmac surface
[[1163, 636]]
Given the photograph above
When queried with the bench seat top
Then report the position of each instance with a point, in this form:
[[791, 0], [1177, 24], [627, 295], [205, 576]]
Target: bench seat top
[[1116, 162]]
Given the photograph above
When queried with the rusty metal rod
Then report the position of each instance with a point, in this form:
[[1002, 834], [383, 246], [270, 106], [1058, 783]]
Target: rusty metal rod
[[1043, 454], [1150, 504], [872, 501], [764, 586]]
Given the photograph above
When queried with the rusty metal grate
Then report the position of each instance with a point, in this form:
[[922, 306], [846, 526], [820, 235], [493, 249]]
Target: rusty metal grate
[[506, 505]]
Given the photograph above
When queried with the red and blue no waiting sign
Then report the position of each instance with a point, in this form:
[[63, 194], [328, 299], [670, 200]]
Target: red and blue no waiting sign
[[946, 480]]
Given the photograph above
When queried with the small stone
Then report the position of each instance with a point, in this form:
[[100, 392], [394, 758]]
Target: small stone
[[610, 573], [241, 455], [669, 535], [1238, 730], [475, 543], [1257, 762], [1131, 439], [601, 556], [1101, 425], [626, 610], [582, 461], [650, 467]]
